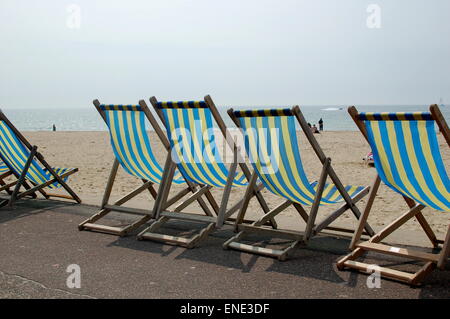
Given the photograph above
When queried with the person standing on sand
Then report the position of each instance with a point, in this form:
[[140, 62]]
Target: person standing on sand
[[321, 124], [54, 128]]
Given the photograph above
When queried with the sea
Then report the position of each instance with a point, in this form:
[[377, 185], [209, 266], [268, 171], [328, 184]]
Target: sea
[[335, 118]]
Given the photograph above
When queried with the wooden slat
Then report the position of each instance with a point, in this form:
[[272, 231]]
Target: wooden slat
[[386, 272], [103, 228], [182, 241], [256, 250], [189, 217], [397, 251], [128, 210], [271, 232]]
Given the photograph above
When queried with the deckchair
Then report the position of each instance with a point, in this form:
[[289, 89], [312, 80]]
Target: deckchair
[[24, 162], [408, 161], [133, 152], [272, 147], [198, 158]]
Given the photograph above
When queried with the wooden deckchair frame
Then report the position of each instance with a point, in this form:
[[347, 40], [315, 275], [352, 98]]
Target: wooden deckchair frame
[[223, 215], [312, 229], [30, 190], [146, 215], [415, 210]]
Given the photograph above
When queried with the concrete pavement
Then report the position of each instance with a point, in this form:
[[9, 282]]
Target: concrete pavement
[[40, 239]]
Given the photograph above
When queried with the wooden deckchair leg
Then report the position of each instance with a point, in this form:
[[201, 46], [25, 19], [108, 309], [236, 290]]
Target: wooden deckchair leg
[[396, 224], [273, 213], [3, 184], [22, 176], [104, 211], [164, 187], [423, 223], [192, 198], [301, 211], [365, 215], [317, 199], [247, 197], [445, 253], [325, 223], [110, 183], [58, 178], [227, 191]]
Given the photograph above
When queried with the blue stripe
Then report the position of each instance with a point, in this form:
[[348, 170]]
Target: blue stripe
[[189, 172], [424, 167], [434, 145]]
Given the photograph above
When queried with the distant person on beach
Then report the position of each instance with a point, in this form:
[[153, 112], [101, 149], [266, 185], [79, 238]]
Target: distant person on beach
[[54, 128], [315, 130], [309, 124], [321, 124]]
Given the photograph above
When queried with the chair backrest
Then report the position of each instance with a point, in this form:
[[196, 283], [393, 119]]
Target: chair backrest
[[15, 154], [271, 143], [130, 141], [191, 132], [407, 156]]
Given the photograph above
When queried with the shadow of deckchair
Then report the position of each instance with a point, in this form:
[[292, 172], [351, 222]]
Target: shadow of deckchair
[[23, 208], [408, 160]]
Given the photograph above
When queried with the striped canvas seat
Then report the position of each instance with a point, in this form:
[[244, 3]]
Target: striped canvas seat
[[131, 144], [190, 128], [3, 168], [272, 146], [407, 157], [16, 154]]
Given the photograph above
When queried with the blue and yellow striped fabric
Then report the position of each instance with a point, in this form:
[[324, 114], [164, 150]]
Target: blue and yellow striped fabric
[[407, 157], [272, 147], [181, 104], [399, 116], [3, 168], [190, 129], [16, 154], [131, 144]]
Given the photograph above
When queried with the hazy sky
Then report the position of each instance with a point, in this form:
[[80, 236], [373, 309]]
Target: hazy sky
[[242, 52]]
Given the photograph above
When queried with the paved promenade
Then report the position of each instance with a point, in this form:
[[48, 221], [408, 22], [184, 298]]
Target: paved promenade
[[40, 239]]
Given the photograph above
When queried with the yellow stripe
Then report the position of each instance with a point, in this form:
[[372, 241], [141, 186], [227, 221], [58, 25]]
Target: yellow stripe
[[178, 148], [198, 148], [432, 166], [145, 151], [382, 152], [264, 155], [187, 148], [145, 170], [115, 133], [281, 166], [413, 158], [208, 147], [254, 154], [398, 159], [32, 170], [292, 161]]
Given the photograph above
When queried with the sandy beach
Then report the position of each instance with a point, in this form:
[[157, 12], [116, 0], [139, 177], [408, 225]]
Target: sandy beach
[[92, 154]]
